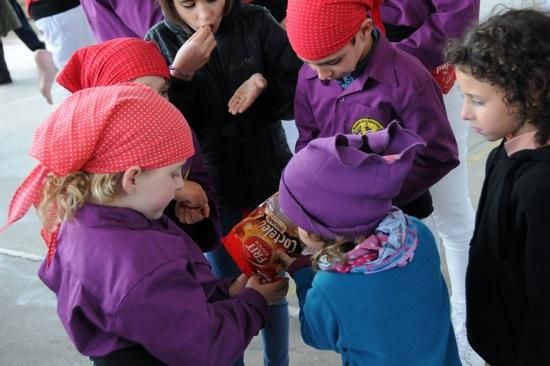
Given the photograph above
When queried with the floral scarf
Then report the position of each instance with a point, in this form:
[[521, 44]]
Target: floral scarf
[[392, 245]]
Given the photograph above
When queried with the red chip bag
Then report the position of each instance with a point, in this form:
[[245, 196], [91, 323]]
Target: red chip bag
[[252, 241], [445, 76]]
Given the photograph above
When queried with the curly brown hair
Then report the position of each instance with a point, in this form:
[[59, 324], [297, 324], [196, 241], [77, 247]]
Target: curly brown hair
[[511, 51]]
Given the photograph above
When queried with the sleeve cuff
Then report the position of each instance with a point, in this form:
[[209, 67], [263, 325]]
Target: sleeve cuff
[[300, 262], [254, 298]]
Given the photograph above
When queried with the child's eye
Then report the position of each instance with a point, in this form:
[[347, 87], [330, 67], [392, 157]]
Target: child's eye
[[187, 4], [334, 62], [477, 102]]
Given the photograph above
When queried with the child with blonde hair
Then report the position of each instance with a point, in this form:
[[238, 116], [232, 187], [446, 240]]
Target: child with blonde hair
[[121, 60], [377, 296], [131, 287]]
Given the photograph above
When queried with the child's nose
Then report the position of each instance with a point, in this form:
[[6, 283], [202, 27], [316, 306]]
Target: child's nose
[[204, 14], [323, 74], [180, 182], [466, 113]]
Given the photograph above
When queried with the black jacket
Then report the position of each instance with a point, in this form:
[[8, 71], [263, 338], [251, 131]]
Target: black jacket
[[508, 277], [245, 154]]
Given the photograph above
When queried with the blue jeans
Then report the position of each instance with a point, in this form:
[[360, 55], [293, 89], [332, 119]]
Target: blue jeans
[[275, 332]]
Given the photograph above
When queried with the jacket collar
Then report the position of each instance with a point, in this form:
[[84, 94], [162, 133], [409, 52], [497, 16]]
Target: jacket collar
[[106, 216], [379, 67]]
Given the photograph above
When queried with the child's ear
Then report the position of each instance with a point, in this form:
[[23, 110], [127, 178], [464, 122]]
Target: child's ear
[[366, 29], [129, 179]]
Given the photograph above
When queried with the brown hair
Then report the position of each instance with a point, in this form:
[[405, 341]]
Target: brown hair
[[169, 10], [511, 51], [62, 196]]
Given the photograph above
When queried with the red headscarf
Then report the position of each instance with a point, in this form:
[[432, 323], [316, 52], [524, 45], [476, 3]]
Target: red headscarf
[[116, 61], [319, 28], [103, 130]]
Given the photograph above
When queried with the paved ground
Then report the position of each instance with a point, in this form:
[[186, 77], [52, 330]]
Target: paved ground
[[30, 333]]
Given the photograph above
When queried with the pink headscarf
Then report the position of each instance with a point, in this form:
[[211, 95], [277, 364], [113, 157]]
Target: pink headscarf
[[116, 61], [102, 130]]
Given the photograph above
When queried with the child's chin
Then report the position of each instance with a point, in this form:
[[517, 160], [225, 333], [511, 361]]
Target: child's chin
[[152, 215]]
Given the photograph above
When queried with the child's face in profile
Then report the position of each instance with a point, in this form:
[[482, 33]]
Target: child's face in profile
[[339, 64], [345, 61], [485, 109], [201, 13], [310, 241], [158, 84], [155, 188]]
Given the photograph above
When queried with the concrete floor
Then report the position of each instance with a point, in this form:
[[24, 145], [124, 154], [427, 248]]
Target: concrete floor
[[30, 333]]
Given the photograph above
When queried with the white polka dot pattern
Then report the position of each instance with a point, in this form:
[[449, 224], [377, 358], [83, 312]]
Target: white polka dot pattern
[[319, 28], [104, 130], [112, 62]]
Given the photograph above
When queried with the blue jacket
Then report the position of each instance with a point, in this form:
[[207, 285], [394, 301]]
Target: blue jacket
[[393, 318]]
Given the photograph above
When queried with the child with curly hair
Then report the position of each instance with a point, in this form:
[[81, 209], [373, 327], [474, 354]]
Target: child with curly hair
[[506, 97]]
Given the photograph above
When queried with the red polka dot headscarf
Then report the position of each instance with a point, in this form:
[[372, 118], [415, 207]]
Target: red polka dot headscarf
[[116, 61], [103, 130], [318, 28]]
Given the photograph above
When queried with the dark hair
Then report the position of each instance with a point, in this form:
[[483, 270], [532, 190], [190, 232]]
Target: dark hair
[[511, 51], [169, 10]]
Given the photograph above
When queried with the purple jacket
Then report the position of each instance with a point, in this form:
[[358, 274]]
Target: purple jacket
[[435, 22], [393, 86], [121, 18], [123, 280]]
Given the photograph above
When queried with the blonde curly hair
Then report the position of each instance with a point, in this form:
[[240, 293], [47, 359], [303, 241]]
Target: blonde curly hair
[[63, 196], [333, 249]]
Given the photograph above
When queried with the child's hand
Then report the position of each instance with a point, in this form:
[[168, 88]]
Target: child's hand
[[272, 292], [190, 216], [281, 256], [247, 93], [192, 203], [238, 285], [193, 54]]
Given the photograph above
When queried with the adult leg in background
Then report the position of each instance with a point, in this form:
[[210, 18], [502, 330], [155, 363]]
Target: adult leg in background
[[454, 220], [5, 76], [42, 57]]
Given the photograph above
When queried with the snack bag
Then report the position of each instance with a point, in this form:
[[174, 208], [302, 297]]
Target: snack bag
[[252, 242], [445, 76]]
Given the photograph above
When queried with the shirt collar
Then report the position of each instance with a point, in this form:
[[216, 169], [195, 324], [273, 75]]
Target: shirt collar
[[525, 141], [378, 66], [99, 216]]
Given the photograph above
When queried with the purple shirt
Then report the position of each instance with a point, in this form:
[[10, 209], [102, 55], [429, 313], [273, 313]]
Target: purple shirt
[[435, 22], [393, 86], [121, 18], [122, 280]]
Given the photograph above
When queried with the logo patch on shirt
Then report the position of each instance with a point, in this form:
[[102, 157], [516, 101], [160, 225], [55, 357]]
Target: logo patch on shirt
[[366, 125]]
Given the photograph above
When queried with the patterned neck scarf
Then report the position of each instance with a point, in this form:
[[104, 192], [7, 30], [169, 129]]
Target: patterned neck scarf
[[348, 79], [392, 245]]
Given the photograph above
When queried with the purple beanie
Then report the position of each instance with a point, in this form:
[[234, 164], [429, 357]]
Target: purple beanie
[[344, 185]]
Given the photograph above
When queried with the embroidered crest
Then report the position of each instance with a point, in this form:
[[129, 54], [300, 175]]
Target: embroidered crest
[[366, 125]]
